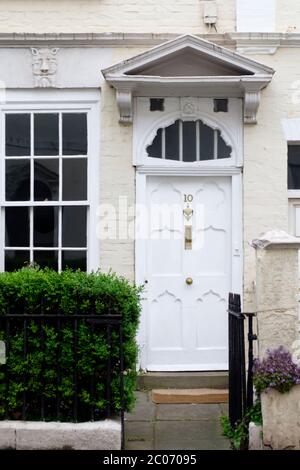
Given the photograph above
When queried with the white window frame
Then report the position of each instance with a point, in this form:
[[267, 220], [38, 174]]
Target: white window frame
[[146, 124], [216, 134], [293, 193], [51, 101]]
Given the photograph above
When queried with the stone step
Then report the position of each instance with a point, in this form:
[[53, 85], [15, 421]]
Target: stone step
[[179, 396], [151, 380]]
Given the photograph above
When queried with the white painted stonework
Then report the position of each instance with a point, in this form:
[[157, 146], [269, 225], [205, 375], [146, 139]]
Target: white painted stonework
[[146, 123], [255, 436], [30, 435], [277, 289], [177, 323], [281, 411], [189, 65], [276, 238], [44, 66]]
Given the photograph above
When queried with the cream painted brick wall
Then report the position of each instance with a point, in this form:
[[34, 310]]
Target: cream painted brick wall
[[152, 16], [265, 154], [117, 179], [288, 16], [141, 16], [117, 175]]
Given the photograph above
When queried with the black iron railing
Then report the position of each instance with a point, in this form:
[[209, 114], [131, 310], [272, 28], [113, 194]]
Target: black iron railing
[[240, 389], [109, 326]]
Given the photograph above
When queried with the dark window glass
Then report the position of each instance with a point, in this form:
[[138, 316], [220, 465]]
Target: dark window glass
[[17, 180], [74, 134], [16, 259], [172, 141], [74, 226], [294, 167], [157, 104], [154, 150], [221, 106], [46, 134], [74, 260], [46, 179], [74, 179], [189, 141], [17, 226], [224, 150], [46, 259], [45, 226], [206, 142], [17, 135]]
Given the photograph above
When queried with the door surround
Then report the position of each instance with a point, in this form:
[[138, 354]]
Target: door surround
[[141, 244]]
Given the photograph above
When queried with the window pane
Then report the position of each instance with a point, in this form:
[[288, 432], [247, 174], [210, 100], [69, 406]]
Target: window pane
[[189, 141], [46, 259], [74, 260], [17, 180], [154, 150], [17, 226], [15, 259], [74, 134], [172, 141], [224, 150], [45, 226], [206, 142], [46, 179], [294, 167], [74, 226], [46, 134], [17, 135], [74, 179]]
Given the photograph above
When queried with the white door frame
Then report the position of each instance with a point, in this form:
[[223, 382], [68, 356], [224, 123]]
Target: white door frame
[[141, 244]]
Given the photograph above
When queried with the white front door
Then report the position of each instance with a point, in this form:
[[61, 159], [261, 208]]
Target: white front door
[[188, 272]]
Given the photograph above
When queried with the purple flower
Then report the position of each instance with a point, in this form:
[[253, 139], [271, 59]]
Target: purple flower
[[276, 371]]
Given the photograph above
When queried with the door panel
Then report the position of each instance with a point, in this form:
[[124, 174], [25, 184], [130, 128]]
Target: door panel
[[187, 324]]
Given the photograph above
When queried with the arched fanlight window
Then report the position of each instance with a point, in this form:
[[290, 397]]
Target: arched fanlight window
[[189, 141]]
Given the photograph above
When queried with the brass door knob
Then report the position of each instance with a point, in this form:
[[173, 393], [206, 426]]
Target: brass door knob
[[189, 281]]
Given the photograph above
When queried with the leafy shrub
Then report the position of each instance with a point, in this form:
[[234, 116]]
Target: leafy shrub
[[239, 434], [51, 344], [276, 371]]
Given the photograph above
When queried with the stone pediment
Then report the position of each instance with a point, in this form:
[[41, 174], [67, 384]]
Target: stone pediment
[[189, 63], [189, 66]]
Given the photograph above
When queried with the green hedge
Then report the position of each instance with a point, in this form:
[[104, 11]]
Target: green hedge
[[32, 290]]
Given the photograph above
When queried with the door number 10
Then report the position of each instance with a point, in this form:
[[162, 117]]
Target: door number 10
[[188, 198]]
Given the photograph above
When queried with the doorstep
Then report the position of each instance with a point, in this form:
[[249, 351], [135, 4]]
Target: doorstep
[[201, 395], [205, 379]]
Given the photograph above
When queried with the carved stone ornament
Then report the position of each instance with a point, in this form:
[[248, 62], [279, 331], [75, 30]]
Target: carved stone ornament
[[44, 66], [124, 101], [189, 107], [130, 77], [251, 103]]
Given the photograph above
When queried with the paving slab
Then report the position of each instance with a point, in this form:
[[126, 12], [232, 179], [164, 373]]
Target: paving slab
[[185, 435], [140, 445], [191, 412], [154, 426], [144, 408], [224, 408], [139, 431], [219, 444]]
